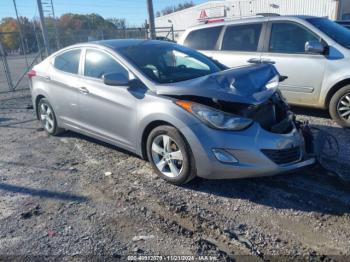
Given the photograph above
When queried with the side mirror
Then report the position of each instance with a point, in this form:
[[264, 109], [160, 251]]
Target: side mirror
[[115, 79], [314, 47]]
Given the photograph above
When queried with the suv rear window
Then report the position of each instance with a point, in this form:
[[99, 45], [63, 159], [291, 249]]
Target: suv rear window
[[203, 39], [242, 38], [68, 61]]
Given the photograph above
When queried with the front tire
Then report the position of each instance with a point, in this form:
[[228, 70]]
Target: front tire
[[170, 155], [339, 107], [47, 117]]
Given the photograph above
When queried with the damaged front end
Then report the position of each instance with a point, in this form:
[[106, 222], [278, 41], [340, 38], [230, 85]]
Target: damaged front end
[[249, 93], [253, 131], [236, 99]]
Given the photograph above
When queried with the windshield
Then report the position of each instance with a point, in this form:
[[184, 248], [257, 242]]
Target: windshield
[[335, 31], [169, 63]]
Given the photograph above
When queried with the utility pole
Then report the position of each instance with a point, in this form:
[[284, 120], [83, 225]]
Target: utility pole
[[6, 68], [151, 19], [55, 24], [21, 35], [43, 27], [37, 40]]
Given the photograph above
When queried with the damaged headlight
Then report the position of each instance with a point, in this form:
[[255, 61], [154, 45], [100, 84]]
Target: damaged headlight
[[215, 118], [274, 82]]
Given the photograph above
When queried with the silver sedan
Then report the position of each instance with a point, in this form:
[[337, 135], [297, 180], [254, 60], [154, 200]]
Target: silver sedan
[[186, 113]]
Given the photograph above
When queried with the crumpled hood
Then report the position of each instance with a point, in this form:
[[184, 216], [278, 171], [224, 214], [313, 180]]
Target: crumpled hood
[[242, 85]]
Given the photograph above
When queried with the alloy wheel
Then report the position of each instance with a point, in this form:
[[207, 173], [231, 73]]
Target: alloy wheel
[[47, 118], [167, 156], [343, 107]]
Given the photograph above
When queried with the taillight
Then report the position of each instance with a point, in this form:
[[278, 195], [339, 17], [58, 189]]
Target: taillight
[[31, 73]]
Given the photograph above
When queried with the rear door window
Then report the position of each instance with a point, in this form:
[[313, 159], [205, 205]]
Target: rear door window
[[243, 38], [203, 39], [68, 61], [289, 38]]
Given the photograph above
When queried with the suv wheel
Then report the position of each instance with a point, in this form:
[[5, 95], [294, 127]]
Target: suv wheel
[[339, 107], [170, 155], [48, 118]]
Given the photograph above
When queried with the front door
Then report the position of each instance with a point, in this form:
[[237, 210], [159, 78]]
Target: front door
[[286, 50], [107, 111]]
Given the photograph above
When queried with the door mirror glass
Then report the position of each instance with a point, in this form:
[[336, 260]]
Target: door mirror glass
[[314, 47], [115, 79]]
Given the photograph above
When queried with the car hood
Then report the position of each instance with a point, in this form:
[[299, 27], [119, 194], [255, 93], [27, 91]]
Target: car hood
[[242, 85]]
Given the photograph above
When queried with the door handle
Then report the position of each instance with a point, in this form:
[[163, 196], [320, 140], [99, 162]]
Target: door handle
[[84, 90], [254, 61], [47, 78], [268, 61]]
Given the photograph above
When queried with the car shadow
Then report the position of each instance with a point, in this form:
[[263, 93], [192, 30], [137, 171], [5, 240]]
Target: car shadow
[[18, 124], [72, 134], [307, 191], [14, 91], [40, 167], [42, 193], [314, 112], [5, 119], [294, 191], [311, 190]]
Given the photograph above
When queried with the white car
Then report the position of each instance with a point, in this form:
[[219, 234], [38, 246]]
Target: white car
[[311, 54]]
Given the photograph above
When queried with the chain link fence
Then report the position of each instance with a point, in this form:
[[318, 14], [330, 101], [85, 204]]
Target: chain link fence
[[16, 62]]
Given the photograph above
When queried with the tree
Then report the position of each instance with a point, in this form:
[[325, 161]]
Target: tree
[[27, 29], [9, 33], [72, 28], [119, 23], [171, 9]]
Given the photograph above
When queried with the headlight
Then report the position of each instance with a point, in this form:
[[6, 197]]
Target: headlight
[[215, 118], [274, 82]]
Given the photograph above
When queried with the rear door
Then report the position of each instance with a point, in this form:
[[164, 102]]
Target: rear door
[[64, 82], [285, 48], [240, 44], [106, 111]]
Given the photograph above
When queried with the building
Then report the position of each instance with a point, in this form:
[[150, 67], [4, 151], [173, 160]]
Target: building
[[217, 11]]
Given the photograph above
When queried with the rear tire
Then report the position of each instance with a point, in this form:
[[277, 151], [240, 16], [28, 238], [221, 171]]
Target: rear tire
[[170, 155], [339, 107], [47, 118]]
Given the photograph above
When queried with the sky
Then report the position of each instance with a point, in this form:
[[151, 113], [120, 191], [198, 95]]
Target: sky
[[134, 11]]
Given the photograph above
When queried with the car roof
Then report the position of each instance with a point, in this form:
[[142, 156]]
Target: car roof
[[121, 43], [253, 19]]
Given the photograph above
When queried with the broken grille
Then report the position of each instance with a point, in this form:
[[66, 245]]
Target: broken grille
[[283, 156]]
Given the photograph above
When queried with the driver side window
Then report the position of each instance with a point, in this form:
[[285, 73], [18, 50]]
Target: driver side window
[[188, 62], [289, 38], [98, 63]]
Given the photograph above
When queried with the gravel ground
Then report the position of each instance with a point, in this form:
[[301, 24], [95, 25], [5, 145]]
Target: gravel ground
[[55, 200]]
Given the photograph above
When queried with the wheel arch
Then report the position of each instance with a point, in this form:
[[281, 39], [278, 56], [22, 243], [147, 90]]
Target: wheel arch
[[334, 89], [37, 100], [147, 130]]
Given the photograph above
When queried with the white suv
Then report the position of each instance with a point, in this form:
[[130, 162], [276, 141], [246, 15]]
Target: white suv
[[312, 54]]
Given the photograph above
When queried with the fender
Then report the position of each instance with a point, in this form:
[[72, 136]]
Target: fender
[[329, 88], [156, 111]]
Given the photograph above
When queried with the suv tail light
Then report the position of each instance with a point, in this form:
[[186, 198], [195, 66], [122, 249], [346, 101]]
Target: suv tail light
[[31, 73]]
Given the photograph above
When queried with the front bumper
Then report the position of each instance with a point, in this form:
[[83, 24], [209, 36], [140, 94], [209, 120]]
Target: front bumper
[[247, 147]]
